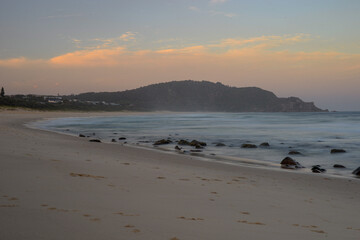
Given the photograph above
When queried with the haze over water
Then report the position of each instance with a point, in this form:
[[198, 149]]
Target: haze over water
[[312, 134]]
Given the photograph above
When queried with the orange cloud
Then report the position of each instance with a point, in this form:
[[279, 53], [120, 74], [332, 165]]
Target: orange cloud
[[19, 62], [238, 62], [97, 57], [263, 41], [194, 50]]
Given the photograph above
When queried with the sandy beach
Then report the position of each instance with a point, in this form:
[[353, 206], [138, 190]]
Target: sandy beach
[[55, 186]]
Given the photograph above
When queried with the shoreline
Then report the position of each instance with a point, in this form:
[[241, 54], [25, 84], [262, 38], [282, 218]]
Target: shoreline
[[204, 155], [55, 186]]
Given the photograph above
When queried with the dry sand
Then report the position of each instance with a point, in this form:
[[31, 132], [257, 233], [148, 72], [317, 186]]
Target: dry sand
[[55, 186]]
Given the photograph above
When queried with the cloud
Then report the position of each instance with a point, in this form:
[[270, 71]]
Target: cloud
[[127, 36], [20, 62], [229, 15], [264, 61], [62, 16], [217, 1], [110, 53], [89, 58], [194, 50], [213, 12], [193, 8], [104, 43], [263, 41]]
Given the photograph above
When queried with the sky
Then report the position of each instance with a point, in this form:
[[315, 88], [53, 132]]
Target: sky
[[307, 49]]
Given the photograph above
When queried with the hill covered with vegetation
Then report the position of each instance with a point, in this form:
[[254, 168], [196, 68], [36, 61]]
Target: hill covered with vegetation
[[200, 96], [185, 95]]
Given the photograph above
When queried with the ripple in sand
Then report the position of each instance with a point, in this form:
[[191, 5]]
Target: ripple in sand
[[253, 223], [126, 215], [191, 219], [85, 175]]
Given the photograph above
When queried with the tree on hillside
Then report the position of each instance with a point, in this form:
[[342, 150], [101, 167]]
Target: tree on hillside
[[2, 94]]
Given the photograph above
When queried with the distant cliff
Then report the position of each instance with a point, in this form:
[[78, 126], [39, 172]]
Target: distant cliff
[[200, 96]]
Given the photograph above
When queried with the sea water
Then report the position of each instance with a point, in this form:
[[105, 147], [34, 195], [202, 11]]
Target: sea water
[[311, 134]]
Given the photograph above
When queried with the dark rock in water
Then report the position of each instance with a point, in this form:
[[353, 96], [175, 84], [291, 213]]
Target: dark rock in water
[[337, 150], [162, 142], [356, 171], [265, 144], [115, 133], [95, 140], [290, 163], [177, 148], [195, 143], [93, 134], [220, 145], [143, 141], [196, 151], [122, 138], [183, 142], [248, 145], [294, 153], [113, 140], [339, 166], [317, 169], [198, 146], [81, 135]]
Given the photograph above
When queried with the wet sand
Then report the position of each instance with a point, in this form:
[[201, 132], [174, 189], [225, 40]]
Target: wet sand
[[55, 186]]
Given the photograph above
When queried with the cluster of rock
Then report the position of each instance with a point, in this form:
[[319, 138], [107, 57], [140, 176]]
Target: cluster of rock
[[287, 162], [120, 139], [162, 142], [99, 141], [250, 145], [290, 163], [317, 169], [194, 143]]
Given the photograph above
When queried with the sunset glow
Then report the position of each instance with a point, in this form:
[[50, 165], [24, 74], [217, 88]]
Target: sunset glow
[[279, 52]]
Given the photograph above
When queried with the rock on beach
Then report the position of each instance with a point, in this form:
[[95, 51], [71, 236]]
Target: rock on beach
[[248, 145], [290, 163], [162, 142], [335, 150]]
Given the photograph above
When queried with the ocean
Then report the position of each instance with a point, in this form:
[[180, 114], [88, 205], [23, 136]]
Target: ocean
[[313, 135]]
